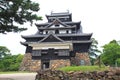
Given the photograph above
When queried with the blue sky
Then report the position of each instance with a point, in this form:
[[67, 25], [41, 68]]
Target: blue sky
[[100, 17]]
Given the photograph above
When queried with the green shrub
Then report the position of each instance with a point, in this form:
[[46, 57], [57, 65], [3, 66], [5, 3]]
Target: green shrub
[[11, 62]]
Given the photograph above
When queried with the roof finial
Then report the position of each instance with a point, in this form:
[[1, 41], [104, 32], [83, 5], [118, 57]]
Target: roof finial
[[51, 12], [67, 11]]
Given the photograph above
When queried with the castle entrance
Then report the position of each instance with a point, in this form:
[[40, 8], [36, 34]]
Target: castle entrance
[[45, 64], [46, 61]]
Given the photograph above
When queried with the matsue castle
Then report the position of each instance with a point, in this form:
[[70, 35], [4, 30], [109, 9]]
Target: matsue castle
[[59, 42]]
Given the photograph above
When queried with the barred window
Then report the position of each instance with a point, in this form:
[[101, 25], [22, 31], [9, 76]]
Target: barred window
[[63, 53], [44, 52], [36, 53]]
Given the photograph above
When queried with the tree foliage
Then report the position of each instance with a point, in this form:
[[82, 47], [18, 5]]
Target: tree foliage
[[11, 62], [111, 53], [94, 49], [17, 11], [4, 51]]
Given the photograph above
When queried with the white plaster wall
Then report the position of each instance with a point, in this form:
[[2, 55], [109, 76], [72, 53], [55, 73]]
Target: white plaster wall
[[70, 31], [65, 31], [51, 31], [44, 32], [62, 31], [61, 26]]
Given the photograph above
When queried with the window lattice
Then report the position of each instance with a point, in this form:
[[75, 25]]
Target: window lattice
[[63, 53], [36, 53]]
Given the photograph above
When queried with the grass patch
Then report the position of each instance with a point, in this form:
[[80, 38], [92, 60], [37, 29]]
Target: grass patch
[[83, 68], [12, 72]]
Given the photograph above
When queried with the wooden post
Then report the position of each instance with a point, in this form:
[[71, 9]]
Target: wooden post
[[44, 66], [99, 63]]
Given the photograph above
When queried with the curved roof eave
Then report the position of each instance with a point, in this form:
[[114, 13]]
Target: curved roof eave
[[59, 35], [24, 43], [88, 41], [42, 24]]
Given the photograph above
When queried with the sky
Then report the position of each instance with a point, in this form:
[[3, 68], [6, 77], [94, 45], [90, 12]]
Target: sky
[[100, 17]]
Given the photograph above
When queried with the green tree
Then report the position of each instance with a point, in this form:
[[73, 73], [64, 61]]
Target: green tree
[[19, 58], [93, 51], [11, 63], [4, 51], [17, 11], [111, 53]]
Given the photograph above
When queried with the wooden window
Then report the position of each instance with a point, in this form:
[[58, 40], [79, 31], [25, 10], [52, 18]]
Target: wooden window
[[67, 31], [44, 52], [36, 53], [57, 25], [46, 32], [41, 32], [66, 19], [63, 53], [56, 31]]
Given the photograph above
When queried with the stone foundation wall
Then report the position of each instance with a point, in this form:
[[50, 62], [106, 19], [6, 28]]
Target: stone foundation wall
[[30, 65], [59, 63], [78, 75], [35, 65], [79, 58]]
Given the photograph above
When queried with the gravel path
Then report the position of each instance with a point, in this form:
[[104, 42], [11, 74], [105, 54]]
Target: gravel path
[[18, 76]]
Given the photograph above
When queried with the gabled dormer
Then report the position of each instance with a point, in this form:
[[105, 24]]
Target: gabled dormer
[[58, 27], [51, 38], [64, 17]]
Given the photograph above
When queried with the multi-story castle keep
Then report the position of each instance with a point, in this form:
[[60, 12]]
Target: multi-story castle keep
[[58, 43]]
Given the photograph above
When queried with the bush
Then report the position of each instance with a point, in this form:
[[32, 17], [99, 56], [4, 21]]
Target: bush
[[11, 62]]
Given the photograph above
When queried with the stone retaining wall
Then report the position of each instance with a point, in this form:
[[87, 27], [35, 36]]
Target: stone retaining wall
[[59, 63], [80, 56], [95, 75], [30, 65]]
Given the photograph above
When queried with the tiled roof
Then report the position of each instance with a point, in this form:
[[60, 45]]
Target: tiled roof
[[87, 41], [59, 35]]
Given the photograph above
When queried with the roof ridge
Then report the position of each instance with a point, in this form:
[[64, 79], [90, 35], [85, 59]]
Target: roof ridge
[[58, 21]]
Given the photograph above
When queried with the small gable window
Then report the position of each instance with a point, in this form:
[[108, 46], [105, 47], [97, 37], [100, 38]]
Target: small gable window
[[36, 53], [46, 32], [57, 25], [67, 31], [56, 31]]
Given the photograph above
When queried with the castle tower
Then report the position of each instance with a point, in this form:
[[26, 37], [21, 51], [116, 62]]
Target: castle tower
[[59, 42]]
